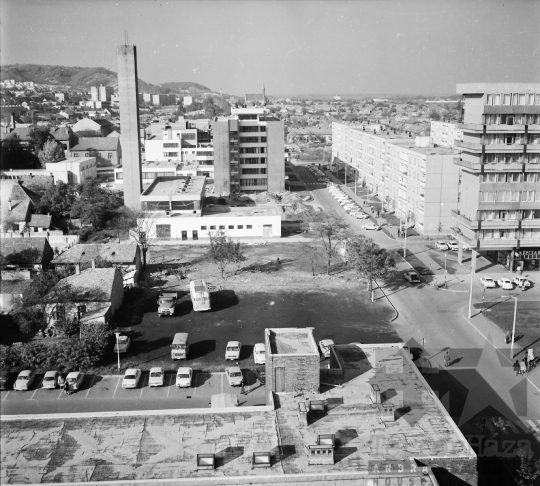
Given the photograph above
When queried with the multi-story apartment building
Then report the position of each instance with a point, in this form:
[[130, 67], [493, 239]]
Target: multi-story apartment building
[[499, 208], [101, 93], [249, 152], [409, 175], [444, 134]]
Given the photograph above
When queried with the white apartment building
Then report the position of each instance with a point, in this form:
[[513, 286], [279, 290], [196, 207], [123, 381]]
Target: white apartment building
[[411, 177], [445, 134]]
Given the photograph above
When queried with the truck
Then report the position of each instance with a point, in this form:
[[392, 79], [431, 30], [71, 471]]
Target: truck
[[167, 303], [180, 346]]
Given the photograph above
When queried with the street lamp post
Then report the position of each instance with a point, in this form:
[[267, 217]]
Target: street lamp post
[[470, 293], [118, 348], [513, 326], [445, 270]]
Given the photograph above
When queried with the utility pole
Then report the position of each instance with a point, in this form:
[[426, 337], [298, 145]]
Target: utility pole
[[445, 270], [405, 241], [470, 293], [371, 275]]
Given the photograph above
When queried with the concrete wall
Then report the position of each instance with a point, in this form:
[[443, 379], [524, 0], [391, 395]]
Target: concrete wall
[[474, 108], [222, 166], [469, 190], [203, 226], [302, 372], [129, 124], [275, 132]]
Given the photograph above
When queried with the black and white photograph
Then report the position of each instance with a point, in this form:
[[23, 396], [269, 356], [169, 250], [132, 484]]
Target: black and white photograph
[[270, 242]]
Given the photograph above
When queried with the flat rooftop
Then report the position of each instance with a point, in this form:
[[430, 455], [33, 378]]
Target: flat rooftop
[[175, 186], [164, 445], [481, 88], [292, 341], [409, 143], [228, 211]]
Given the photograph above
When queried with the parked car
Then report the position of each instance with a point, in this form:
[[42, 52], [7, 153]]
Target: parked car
[[233, 350], [362, 216], [234, 376], [24, 380], [487, 282], [324, 346], [6, 379], [259, 353], [184, 377], [505, 283], [441, 245], [75, 380], [412, 277], [156, 376], [522, 282], [371, 226], [50, 380], [121, 345], [131, 378]]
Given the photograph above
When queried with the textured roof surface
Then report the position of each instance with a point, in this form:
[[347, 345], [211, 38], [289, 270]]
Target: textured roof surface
[[292, 341], [110, 252], [39, 221], [12, 246], [93, 284], [96, 143], [14, 286]]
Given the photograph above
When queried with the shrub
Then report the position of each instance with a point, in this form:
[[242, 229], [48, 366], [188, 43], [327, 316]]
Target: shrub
[[84, 233]]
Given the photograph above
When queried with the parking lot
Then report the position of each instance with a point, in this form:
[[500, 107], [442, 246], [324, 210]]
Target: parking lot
[[105, 393]]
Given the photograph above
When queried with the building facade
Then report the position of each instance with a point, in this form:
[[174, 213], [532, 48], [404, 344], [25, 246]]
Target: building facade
[[409, 175], [248, 152], [499, 172], [444, 134]]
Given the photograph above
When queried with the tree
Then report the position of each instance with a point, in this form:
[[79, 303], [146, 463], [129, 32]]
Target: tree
[[223, 250], [313, 252], [58, 200], [434, 115], [51, 152], [330, 232], [38, 136], [16, 155], [529, 468], [92, 204], [369, 260], [140, 226]]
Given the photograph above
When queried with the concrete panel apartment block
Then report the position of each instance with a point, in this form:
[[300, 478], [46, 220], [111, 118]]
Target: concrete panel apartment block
[[222, 164], [276, 149], [292, 364], [129, 124]]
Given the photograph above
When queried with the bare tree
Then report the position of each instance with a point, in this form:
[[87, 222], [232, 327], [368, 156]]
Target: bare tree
[[140, 226], [330, 231], [223, 250], [313, 252]]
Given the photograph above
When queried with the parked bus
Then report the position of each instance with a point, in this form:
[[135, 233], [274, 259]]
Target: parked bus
[[200, 297]]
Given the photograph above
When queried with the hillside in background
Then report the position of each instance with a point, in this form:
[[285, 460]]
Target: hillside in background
[[80, 77]]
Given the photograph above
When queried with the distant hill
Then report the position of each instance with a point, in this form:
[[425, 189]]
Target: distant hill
[[80, 77]]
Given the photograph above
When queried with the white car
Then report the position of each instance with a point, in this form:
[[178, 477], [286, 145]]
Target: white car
[[234, 376], [75, 380], [505, 283], [487, 282], [259, 353], [362, 216], [131, 378], [156, 376], [233, 350], [441, 245], [184, 377], [50, 380], [24, 380], [522, 282], [453, 245], [371, 226], [324, 346]]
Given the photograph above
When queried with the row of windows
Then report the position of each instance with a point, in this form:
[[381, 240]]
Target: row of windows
[[189, 136], [252, 160], [170, 154], [253, 140], [510, 214], [513, 99], [170, 145], [532, 158], [510, 177], [252, 150], [528, 233], [511, 139], [252, 128], [254, 171], [253, 182], [231, 226], [87, 154], [509, 196], [514, 119]]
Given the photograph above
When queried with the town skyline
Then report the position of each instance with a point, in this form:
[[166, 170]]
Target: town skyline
[[417, 48]]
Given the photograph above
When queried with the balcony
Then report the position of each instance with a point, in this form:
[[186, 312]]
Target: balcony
[[492, 147], [463, 219], [479, 128]]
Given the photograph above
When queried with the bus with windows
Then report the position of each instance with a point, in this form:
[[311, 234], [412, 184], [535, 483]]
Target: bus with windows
[[200, 297]]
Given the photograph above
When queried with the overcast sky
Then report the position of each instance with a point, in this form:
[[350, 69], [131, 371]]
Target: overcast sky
[[297, 47]]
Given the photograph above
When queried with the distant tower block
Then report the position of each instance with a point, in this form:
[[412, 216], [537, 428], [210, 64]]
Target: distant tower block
[[129, 124]]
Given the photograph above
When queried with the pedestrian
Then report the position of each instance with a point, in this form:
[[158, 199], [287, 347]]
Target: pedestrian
[[520, 271], [516, 367], [522, 368], [242, 390], [447, 358], [60, 382], [507, 337], [66, 387], [530, 356]]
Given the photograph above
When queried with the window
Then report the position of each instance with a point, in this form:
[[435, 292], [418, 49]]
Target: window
[[521, 99], [263, 139], [87, 154], [75, 154], [203, 228], [489, 99], [240, 226], [496, 99], [170, 154], [212, 227], [514, 177], [59, 312], [221, 226], [81, 310], [263, 171], [527, 195], [263, 129], [170, 145], [119, 175], [248, 226], [231, 226], [109, 155], [506, 99], [251, 171]]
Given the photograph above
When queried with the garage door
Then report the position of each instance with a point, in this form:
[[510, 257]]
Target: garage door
[[267, 230]]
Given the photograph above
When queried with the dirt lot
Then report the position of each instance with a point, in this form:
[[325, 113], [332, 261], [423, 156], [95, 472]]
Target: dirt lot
[[258, 294]]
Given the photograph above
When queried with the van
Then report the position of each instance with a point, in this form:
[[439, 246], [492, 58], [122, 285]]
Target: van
[[180, 346]]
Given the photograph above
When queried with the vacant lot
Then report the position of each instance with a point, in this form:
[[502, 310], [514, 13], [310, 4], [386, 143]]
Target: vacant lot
[[258, 294]]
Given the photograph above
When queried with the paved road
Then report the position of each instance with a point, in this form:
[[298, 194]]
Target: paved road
[[480, 385], [105, 394]]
